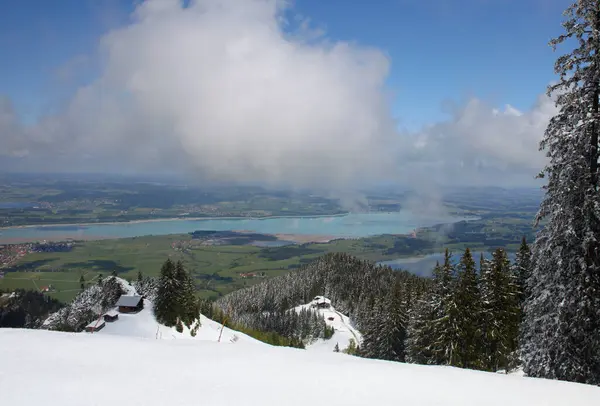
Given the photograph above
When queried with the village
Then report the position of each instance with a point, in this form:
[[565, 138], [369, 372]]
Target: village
[[11, 253]]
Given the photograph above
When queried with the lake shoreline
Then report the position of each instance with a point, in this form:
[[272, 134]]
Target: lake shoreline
[[300, 229], [170, 219]]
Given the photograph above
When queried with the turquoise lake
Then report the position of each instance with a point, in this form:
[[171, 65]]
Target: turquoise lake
[[353, 225]]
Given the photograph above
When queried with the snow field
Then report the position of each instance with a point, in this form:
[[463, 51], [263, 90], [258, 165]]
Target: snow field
[[69, 369]]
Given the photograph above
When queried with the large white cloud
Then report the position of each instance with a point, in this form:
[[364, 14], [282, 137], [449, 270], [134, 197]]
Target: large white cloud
[[219, 88], [481, 144]]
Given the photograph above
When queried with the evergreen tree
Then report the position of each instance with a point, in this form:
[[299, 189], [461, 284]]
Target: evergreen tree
[[166, 305], [523, 269], [187, 305], [336, 348], [140, 277], [418, 334], [565, 287], [468, 302], [500, 312], [385, 335], [445, 329], [420, 331]]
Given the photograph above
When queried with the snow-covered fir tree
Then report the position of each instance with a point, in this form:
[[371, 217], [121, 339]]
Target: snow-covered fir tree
[[175, 303], [146, 286], [561, 330], [188, 305], [445, 329], [522, 269], [165, 303], [500, 312], [468, 303], [418, 332], [432, 331]]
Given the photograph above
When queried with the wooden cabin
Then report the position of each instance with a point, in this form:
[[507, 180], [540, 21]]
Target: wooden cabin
[[95, 325], [321, 302], [130, 304], [111, 316]]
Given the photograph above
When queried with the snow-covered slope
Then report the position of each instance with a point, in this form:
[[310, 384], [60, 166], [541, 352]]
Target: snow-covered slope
[[144, 325], [63, 369], [343, 333]]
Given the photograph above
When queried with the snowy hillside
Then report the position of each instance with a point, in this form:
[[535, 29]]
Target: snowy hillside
[[103, 369], [144, 325], [343, 333]]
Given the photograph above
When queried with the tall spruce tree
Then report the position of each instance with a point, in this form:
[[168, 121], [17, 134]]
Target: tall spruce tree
[[385, 335], [500, 312], [446, 329], [418, 332], [561, 330], [187, 305], [468, 302], [166, 302], [522, 269]]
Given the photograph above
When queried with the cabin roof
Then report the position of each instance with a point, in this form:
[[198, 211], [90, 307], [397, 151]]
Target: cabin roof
[[129, 301], [111, 313], [96, 323]]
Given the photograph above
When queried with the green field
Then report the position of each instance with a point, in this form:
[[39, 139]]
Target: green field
[[216, 268]]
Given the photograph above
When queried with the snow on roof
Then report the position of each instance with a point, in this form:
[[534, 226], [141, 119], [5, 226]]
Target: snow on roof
[[112, 313], [321, 299], [96, 323], [129, 301]]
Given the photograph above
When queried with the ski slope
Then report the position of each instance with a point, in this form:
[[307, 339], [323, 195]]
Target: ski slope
[[343, 333], [65, 369]]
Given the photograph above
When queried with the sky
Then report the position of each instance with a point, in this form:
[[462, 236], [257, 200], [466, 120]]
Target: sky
[[312, 93]]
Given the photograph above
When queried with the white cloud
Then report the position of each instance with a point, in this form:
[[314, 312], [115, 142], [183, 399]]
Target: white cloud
[[220, 89], [484, 145]]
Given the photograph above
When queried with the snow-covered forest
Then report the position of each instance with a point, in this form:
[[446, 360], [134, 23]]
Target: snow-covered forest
[[463, 317]]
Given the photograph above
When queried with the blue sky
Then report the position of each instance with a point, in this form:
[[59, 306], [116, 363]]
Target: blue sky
[[215, 88], [441, 50]]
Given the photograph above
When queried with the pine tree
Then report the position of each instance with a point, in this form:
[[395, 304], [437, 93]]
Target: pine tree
[[522, 269], [187, 305], [561, 330], [385, 335], [166, 305], [336, 348], [140, 277], [418, 336], [420, 333], [445, 329], [468, 302], [500, 312]]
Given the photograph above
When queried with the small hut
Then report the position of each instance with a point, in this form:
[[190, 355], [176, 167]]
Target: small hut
[[321, 302], [111, 316], [130, 304], [95, 325]]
